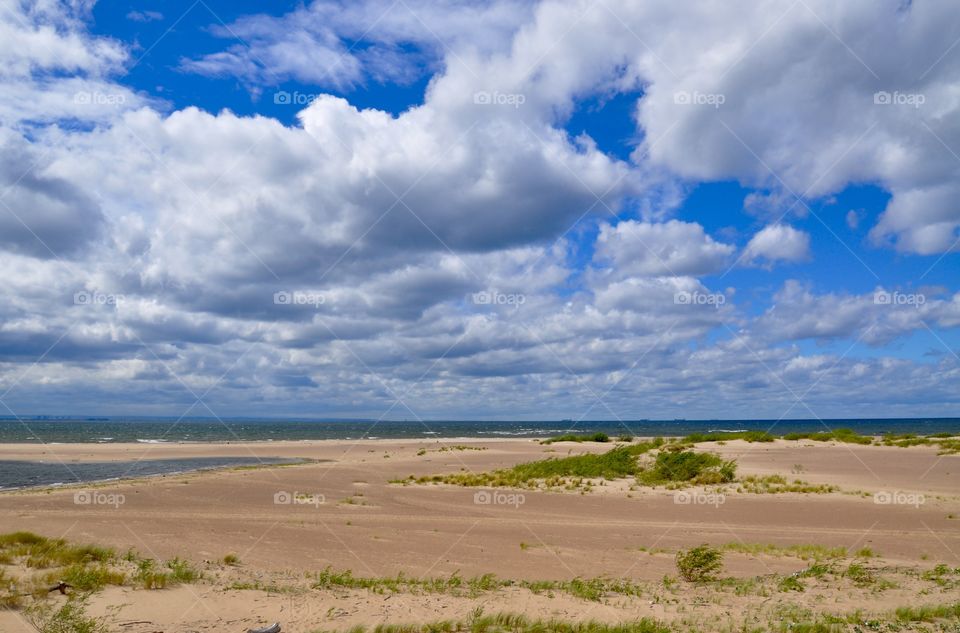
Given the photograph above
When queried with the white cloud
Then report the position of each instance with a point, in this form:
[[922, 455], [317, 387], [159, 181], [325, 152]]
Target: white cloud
[[652, 249], [197, 219], [778, 243]]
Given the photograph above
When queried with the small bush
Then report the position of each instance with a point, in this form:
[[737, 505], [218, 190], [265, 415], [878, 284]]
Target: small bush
[[700, 563], [688, 466], [231, 559], [71, 617]]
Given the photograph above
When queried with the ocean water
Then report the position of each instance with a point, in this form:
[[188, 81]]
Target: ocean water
[[52, 431], [24, 474], [49, 430]]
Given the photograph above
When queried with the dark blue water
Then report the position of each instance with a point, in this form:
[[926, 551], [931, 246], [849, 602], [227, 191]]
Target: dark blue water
[[153, 430], [21, 474]]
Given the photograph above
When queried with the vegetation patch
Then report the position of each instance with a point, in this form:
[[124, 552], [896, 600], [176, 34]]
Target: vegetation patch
[[929, 613], [724, 436], [801, 551], [848, 436], [511, 623], [699, 563], [685, 466], [774, 484], [593, 589], [617, 463], [573, 437]]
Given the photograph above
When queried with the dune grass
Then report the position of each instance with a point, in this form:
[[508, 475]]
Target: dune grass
[[929, 613], [593, 589], [847, 436], [724, 436], [775, 484], [804, 551], [617, 463], [513, 623], [683, 466], [573, 437], [40, 552]]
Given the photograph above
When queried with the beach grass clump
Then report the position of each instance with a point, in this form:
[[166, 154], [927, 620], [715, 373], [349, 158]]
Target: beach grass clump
[[848, 436], [70, 617], [617, 463], [724, 436], [803, 551], [593, 589], [39, 552], [775, 484], [573, 437], [791, 583], [860, 575], [686, 466], [88, 577], [700, 563], [514, 623], [928, 613]]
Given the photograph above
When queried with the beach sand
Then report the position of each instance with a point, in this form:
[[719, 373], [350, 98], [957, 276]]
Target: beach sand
[[352, 518]]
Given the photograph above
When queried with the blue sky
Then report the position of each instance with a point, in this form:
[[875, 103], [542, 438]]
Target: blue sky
[[170, 170]]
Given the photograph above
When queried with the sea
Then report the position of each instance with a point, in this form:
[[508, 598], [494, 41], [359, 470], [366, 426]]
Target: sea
[[52, 431]]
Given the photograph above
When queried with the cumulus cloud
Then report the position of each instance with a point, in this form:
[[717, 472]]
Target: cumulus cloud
[[667, 248], [778, 243], [462, 255]]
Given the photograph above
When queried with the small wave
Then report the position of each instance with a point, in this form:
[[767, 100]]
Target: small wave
[[727, 430], [142, 441]]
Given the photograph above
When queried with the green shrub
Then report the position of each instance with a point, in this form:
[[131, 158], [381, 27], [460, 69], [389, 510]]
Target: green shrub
[[688, 466], [700, 563], [616, 463], [71, 617]]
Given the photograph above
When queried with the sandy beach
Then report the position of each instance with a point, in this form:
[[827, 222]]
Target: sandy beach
[[341, 512]]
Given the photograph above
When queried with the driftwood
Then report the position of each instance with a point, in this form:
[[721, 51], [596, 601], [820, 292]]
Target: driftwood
[[273, 628]]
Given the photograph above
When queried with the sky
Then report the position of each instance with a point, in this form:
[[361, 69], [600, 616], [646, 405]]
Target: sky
[[417, 209]]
